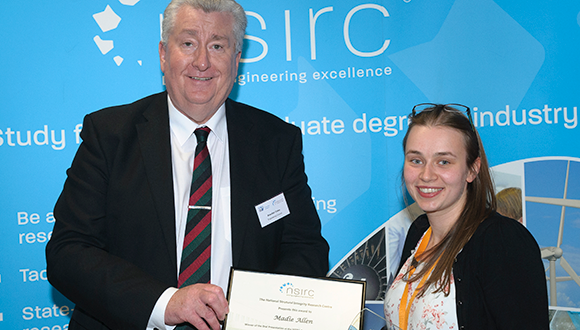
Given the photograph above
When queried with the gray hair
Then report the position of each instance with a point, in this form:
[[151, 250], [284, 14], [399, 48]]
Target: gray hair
[[208, 6]]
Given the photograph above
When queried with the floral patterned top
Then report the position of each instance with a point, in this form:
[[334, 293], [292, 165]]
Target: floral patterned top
[[429, 312]]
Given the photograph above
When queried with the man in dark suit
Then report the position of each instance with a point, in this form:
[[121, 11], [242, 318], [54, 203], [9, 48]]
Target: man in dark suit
[[121, 218]]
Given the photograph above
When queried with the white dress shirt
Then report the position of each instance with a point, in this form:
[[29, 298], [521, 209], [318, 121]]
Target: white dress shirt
[[183, 143]]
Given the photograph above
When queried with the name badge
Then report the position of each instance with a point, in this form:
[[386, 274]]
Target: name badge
[[272, 210]]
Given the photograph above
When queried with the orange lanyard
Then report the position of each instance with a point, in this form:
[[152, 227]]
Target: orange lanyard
[[405, 306]]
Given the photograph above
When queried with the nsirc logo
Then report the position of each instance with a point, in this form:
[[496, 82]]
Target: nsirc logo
[[289, 290], [108, 20], [267, 206]]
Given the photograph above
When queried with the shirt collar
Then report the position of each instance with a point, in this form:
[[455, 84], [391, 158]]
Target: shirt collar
[[183, 127]]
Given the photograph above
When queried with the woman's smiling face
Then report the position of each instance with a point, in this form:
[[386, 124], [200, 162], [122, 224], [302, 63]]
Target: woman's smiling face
[[436, 172]]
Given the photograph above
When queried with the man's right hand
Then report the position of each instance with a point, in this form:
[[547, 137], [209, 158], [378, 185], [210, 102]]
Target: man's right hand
[[201, 305]]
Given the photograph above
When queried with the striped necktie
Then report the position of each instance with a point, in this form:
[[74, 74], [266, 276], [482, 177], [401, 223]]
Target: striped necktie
[[195, 260]]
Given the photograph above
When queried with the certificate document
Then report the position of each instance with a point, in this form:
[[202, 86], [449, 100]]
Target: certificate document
[[287, 302]]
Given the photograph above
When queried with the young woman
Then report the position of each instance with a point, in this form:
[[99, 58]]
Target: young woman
[[464, 266]]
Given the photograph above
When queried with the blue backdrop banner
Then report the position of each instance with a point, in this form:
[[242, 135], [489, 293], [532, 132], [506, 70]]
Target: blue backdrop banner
[[347, 73]]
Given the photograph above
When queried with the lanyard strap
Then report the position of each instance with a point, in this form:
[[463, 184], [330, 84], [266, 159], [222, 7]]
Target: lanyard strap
[[406, 304]]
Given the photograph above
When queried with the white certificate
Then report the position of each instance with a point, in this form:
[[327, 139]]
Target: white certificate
[[287, 302]]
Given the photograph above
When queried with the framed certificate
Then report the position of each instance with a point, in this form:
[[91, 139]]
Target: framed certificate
[[288, 302]]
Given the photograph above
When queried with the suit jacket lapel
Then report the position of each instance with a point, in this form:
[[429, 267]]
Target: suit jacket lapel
[[155, 144], [242, 137]]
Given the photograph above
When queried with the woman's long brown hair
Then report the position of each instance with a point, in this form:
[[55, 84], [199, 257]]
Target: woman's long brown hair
[[480, 201]]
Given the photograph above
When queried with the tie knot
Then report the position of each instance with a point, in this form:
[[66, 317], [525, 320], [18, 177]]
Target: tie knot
[[201, 134]]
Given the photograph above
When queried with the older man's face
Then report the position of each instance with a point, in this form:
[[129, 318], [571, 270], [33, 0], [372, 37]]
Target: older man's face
[[200, 62]]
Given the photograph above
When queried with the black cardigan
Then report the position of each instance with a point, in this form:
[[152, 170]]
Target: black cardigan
[[499, 276]]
